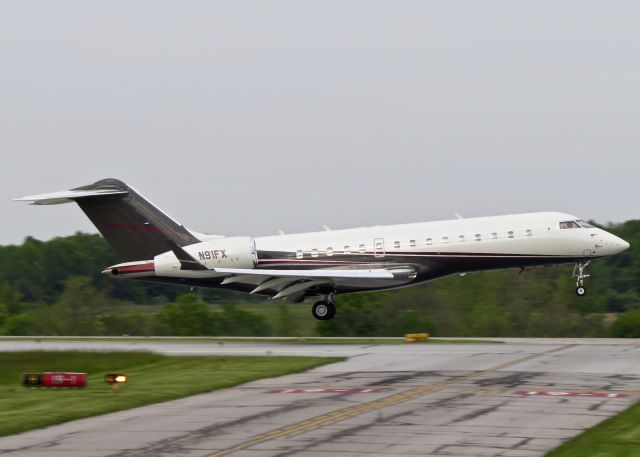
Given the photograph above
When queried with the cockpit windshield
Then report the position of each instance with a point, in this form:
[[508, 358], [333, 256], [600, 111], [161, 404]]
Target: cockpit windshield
[[569, 225], [575, 224]]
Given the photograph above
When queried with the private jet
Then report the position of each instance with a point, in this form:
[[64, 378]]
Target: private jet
[[154, 247]]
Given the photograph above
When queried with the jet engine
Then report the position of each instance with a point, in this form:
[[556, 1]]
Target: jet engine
[[236, 252]]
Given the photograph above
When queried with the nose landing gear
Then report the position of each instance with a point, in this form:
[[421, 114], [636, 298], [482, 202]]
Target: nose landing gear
[[578, 272], [324, 309]]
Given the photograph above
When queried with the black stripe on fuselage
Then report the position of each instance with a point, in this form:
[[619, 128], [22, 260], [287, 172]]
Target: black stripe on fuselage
[[428, 266], [456, 260]]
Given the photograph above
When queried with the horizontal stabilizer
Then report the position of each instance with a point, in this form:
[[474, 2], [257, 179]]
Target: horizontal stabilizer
[[68, 196]]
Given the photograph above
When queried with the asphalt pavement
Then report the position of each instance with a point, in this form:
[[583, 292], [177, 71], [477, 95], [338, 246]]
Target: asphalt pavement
[[520, 398]]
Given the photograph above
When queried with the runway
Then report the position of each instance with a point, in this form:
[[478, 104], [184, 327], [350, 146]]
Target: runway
[[519, 399]]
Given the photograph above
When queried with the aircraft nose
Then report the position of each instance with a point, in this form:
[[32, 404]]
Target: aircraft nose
[[624, 245], [618, 244]]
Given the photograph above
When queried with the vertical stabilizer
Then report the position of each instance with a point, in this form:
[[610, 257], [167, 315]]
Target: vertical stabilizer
[[133, 227]]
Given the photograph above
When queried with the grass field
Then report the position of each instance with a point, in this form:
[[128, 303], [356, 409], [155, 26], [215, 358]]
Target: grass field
[[152, 378], [618, 436], [300, 314]]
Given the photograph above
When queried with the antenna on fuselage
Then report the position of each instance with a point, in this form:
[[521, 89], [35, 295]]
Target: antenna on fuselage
[[458, 216]]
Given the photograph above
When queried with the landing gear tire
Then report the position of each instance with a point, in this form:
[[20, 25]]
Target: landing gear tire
[[578, 272], [323, 310]]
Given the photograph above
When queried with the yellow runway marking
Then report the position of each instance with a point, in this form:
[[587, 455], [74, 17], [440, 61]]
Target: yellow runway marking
[[352, 411]]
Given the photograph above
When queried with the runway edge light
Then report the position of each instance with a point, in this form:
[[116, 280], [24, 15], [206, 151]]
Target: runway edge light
[[32, 379], [115, 379]]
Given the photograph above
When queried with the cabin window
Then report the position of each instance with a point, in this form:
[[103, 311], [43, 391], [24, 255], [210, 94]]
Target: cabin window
[[396, 244], [445, 239], [362, 248], [412, 243], [510, 234], [299, 254], [528, 232], [347, 249], [478, 237], [314, 253], [461, 238], [429, 242], [569, 225], [494, 236], [329, 252], [584, 224]]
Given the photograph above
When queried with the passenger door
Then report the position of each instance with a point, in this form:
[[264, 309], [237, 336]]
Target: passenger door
[[378, 247]]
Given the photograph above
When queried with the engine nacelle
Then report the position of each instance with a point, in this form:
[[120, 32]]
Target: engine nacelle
[[236, 252]]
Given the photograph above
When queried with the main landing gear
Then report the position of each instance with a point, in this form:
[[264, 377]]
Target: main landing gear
[[578, 272], [324, 309]]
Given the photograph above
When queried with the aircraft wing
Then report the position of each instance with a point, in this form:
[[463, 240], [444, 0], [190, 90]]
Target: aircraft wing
[[294, 283], [322, 273]]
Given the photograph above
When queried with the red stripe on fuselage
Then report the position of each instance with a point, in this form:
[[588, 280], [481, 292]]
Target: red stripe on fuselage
[[310, 261], [142, 268]]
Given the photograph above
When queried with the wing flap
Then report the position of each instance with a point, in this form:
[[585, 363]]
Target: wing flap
[[276, 284], [299, 287], [294, 284]]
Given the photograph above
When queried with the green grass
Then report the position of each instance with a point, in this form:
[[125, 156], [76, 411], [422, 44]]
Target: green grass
[[152, 378], [240, 339], [618, 436], [300, 314]]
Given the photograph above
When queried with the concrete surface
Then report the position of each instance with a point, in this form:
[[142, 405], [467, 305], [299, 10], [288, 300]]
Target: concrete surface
[[519, 399]]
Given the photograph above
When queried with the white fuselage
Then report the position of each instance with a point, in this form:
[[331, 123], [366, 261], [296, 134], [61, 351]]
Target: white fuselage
[[415, 253], [531, 234]]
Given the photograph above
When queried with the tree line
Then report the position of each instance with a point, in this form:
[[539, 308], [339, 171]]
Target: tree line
[[55, 287]]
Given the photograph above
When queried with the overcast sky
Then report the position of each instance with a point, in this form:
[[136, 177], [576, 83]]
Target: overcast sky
[[246, 117]]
